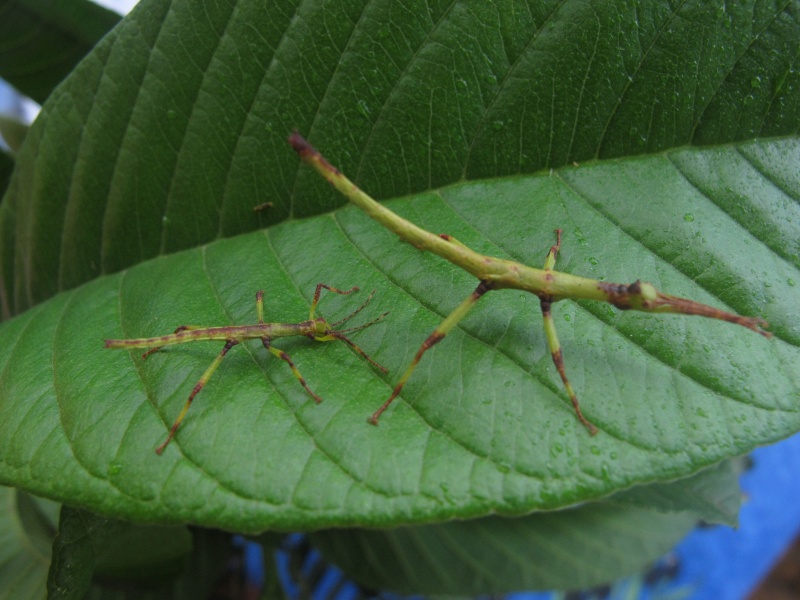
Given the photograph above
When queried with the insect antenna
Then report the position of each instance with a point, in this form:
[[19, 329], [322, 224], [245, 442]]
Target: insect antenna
[[364, 326], [339, 336], [355, 312]]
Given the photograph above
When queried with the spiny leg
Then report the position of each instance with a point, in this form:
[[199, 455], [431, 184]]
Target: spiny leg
[[199, 386], [437, 336], [284, 356], [552, 338], [318, 291]]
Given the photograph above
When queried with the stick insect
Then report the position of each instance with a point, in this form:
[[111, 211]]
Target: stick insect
[[316, 328], [496, 273]]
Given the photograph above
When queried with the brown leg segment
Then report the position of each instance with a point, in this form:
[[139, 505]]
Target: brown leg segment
[[558, 359], [552, 338], [284, 356], [199, 386], [318, 291], [437, 336]]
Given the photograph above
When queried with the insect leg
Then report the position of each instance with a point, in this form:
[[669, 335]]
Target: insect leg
[[284, 356], [552, 338], [260, 306], [198, 386], [434, 338], [318, 291]]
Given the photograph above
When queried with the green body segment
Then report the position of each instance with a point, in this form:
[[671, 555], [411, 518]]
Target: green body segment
[[497, 273], [233, 332], [316, 328]]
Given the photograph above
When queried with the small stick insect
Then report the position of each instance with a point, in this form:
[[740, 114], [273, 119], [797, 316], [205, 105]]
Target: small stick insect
[[316, 328], [496, 273]]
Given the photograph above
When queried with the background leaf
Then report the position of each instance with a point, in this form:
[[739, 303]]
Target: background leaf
[[484, 425], [595, 544], [495, 123], [12, 132], [173, 128], [27, 528], [43, 41], [579, 547], [713, 495], [102, 559], [6, 166]]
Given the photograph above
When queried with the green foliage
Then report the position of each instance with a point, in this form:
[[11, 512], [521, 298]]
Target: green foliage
[[130, 213], [27, 528], [578, 547], [169, 563], [42, 41], [6, 166]]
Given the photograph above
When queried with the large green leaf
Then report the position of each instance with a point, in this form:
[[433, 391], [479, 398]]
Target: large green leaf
[[6, 166], [42, 41], [570, 549], [577, 547], [27, 528], [169, 132], [173, 128], [102, 559], [484, 425]]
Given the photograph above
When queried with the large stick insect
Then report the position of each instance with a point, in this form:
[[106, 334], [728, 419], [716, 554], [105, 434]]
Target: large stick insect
[[316, 328], [496, 274]]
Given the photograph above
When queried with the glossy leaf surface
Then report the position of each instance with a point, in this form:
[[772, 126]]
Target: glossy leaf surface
[[484, 425]]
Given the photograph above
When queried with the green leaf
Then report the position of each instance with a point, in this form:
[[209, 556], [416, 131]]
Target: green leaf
[[570, 549], [26, 533], [93, 557], [713, 495], [579, 547], [484, 425], [12, 132], [42, 41], [173, 128], [75, 549], [6, 166]]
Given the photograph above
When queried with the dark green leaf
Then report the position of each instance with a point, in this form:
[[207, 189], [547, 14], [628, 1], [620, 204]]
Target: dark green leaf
[[203, 569], [75, 550], [136, 558], [574, 548], [483, 425], [26, 533], [6, 166], [173, 128], [143, 556], [42, 41], [712, 495], [12, 132]]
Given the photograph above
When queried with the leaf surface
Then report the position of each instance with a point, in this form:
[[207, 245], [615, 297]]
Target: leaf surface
[[570, 549], [27, 528], [43, 41], [95, 557], [578, 547], [484, 425], [173, 127]]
